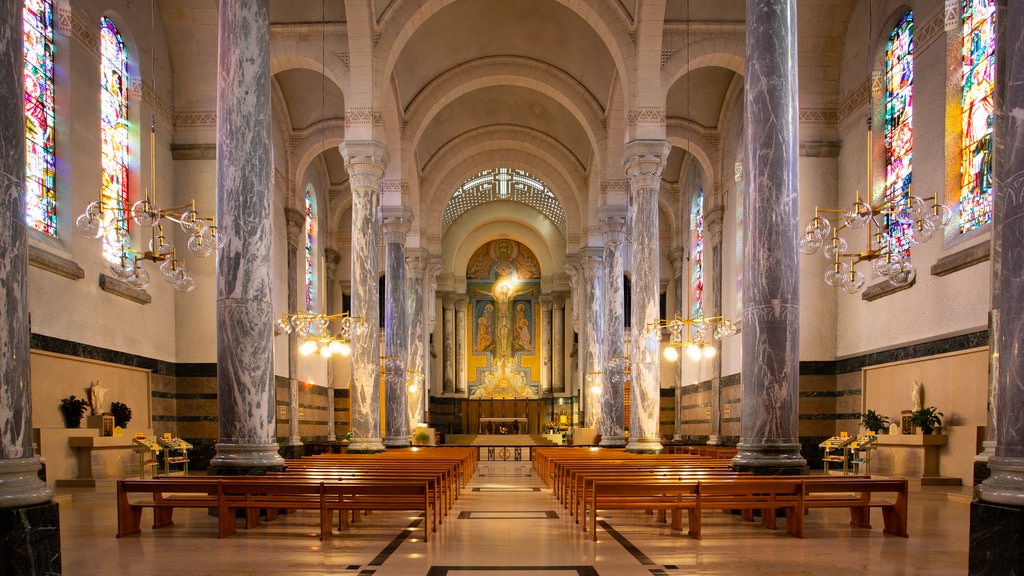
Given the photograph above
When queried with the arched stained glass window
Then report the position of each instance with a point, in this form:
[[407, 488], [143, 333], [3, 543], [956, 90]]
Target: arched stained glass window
[[40, 192], [697, 257], [979, 77], [899, 136], [114, 134], [310, 234]]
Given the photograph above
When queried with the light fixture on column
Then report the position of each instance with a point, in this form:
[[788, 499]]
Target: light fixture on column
[[413, 380], [323, 334], [595, 382], [693, 335], [103, 220]]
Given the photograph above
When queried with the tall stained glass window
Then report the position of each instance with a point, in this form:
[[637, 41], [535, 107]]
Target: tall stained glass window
[[979, 72], [899, 134], [40, 193], [114, 134], [697, 222], [310, 233]]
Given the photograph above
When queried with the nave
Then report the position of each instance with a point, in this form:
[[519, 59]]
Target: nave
[[507, 523]]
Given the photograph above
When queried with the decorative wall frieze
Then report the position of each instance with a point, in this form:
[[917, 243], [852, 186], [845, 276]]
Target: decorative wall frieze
[[363, 117], [646, 116], [825, 116], [667, 55], [928, 32], [857, 98], [195, 119], [342, 56]]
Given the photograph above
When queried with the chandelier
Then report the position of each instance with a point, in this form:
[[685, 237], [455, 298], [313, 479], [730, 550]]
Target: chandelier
[[693, 335], [322, 333], [907, 215]]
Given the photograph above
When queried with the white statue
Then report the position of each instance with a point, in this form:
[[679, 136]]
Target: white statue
[[915, 395], [96, 394]]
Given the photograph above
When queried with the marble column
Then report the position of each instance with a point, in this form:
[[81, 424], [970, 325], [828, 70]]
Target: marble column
[[30, 534], [713, 307], [771, 297], [614, 219], [296, 223], [448, 344], [397, 220], [461, 345], [593, 370], [558, 345], [546, 306], [245, 313], [365, 162], [643, 161], [331, 260], [680, 276], [416, 262]]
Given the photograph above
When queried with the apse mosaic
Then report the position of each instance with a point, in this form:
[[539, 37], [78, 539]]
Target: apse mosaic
[[503, 283]]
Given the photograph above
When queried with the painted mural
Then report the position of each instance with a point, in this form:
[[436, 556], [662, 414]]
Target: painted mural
[[503, 281]]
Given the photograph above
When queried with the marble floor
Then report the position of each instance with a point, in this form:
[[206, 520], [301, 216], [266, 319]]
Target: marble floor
[[506, 523]]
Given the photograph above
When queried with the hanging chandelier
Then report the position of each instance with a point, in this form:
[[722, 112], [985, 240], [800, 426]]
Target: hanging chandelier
[[109, 220], [324, 334], [693, 335]]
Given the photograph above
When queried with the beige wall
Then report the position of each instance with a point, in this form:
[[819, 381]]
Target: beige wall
[[956, 384]]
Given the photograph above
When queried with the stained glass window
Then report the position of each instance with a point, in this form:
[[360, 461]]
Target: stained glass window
[[310, 233], [113, 133], [40, 193], [899, 136], [697, 258], [978, 76]]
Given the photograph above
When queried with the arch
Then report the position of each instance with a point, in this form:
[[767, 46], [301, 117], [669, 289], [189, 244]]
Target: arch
[[724, 52]]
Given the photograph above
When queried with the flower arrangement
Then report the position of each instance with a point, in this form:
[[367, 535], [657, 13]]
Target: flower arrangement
[[873, 421], [73, 410], [927, 419], [122, 414]]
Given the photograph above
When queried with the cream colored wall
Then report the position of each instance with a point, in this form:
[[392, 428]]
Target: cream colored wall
[[956, 384]]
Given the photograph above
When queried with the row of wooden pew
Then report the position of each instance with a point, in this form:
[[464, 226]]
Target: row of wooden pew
[[426, 480], [586, 480]]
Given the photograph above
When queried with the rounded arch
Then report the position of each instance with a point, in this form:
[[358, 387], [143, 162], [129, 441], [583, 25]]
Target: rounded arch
[[288, 55], [722, 51], [309, 144]]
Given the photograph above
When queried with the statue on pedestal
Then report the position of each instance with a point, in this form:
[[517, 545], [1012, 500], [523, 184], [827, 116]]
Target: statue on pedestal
[[96, 394]]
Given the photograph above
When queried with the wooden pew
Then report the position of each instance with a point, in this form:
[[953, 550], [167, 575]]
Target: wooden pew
[[857, 494]]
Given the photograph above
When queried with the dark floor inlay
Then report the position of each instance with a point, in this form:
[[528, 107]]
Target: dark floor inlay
[[486, 489], [395, 543], [560, 570], [508, 515], [629, 546]]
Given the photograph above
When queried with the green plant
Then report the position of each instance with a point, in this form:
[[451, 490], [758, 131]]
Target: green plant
[[73, 410], [122, 414], [873, 421], [927, 419], [421, 437]]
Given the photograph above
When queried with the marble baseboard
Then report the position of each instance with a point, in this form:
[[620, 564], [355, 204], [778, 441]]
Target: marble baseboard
[[30, 540], [997, 537]]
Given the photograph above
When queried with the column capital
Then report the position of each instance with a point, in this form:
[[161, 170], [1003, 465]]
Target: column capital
[[331, 260], [614, 222], [592, 262], [296, 221], [546, 304], [643, 161], [416, 261], [397, 220], [365, 162], [678, 257], [713, 225]]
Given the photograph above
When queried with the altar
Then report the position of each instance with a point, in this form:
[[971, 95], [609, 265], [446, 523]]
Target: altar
[[502, 426]]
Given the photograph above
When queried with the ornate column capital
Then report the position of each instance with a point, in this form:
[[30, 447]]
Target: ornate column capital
[[296, 221], [713, 225], [331, 260], [397, 220], [592, 262], [643, 161], [416, 262], [678, 257], [614, 222], [365, 162]]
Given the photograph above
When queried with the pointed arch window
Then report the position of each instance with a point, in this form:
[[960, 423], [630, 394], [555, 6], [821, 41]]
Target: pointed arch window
[[310, 234], [899, 135], [979, 37], [40, 190], [697, 255], [114, 143]]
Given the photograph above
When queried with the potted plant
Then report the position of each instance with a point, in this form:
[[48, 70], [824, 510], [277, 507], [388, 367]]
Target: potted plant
[[421, 438], [927, 419], [873, 421], [73, 410], [122, 414]]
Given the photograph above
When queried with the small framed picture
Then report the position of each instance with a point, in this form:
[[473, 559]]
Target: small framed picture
[[905, 422]]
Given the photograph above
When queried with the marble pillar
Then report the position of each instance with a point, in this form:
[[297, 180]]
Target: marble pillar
[[365, 162], [296, 223], [331, 260], [461, 345], [29, 523], [680, 276], [771, 297], [448, 344], [397, 220], [546, 306], [593, 369], [713, 307], [613, 220], [245, 316], [643, 161], [416, 262], [558, 345]]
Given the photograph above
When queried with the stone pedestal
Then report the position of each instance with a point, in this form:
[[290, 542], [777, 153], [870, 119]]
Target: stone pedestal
[[912, 456], [997, 538], [30, 540]]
